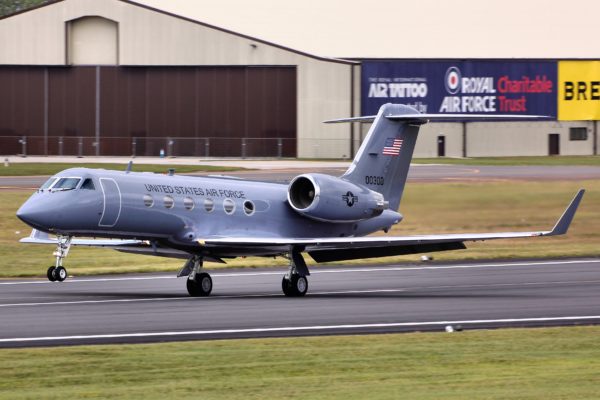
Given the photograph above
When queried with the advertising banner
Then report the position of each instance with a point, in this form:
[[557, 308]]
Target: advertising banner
[[482, 87], [579, 90]]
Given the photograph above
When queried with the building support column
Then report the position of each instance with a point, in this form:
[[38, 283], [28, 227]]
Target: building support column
[[351, 155], [46, 111], [595, 138], [97, 125], [464, 139]]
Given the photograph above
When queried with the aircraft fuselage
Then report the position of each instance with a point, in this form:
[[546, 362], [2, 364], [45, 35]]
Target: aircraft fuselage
[[178, 209]]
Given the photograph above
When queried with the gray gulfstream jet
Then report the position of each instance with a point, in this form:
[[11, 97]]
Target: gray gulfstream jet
[[212, 219]]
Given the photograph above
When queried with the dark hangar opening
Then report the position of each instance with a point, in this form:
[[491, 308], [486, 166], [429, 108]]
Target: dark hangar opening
[[184, 111]]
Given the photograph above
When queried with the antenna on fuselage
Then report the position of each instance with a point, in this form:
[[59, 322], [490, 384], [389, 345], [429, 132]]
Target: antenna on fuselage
[[171, 171], [129, 166]]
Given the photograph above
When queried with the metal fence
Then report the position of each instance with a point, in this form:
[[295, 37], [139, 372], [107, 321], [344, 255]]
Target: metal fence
[[148, 146]]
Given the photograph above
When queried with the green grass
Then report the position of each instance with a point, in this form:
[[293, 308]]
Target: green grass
[[47, 169], [545, 363], [427, 207], [545, 160]]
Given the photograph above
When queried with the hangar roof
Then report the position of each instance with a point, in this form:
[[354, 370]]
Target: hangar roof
[[424, 29], [409, 29]]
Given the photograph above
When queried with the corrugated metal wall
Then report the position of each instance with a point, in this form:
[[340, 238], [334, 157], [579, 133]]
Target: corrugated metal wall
[[185, 111]]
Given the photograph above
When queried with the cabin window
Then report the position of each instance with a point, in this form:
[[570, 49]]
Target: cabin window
[[66, 184], [88, 184], [209, 205], [228, 206], [188, 203], [48, 183], [248, 207], [168, 202], [148, 200]]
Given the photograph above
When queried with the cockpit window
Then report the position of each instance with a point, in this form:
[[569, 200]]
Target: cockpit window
[[66, 184], [88, 184], [48, 183]]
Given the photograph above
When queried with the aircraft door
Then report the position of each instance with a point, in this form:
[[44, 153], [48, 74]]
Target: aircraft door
[[112, 202]]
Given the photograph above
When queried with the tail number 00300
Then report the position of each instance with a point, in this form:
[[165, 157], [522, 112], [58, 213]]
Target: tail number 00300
[[374, 180]]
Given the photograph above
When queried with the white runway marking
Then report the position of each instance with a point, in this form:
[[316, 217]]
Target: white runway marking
[[315, 271], [297, 329]]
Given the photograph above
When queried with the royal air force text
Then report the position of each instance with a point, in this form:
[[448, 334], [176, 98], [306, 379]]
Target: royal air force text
[[476, 94]]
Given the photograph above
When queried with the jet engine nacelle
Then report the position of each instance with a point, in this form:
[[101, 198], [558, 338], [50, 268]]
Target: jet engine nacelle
[[327, 198]]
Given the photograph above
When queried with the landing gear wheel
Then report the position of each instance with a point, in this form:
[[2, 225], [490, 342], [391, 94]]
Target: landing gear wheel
[[50, 274], [294, 286], [201, 286], [60, 274]]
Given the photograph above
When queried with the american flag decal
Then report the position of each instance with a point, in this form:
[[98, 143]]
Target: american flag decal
[[392, 147]]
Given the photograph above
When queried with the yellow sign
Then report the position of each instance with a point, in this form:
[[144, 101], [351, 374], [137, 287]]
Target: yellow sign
[[578, 90]]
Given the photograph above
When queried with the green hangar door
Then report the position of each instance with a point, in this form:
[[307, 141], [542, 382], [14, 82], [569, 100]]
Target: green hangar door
[[193, 111]]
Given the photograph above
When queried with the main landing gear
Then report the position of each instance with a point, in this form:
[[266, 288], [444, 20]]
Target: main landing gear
[[295, 283], [57, 272], [199, 283]]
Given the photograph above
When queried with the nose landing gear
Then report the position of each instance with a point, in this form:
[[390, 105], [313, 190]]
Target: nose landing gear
[[57, 272]]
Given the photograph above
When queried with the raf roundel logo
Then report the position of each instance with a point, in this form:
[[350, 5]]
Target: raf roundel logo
[[350, 199], [453, 80]]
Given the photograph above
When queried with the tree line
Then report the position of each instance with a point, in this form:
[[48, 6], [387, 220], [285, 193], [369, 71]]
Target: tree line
[[13, 6]]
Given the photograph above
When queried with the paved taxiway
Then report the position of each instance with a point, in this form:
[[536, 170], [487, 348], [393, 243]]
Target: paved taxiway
[[249, 303]]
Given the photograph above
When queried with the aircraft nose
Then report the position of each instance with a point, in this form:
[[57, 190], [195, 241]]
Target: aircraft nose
[[34, 215]]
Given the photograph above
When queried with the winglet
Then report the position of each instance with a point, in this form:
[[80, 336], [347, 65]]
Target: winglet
[[563, 223]]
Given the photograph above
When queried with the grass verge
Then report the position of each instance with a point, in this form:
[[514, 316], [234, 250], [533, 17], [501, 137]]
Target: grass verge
[[47, 169], [497, 364], [427, 207]]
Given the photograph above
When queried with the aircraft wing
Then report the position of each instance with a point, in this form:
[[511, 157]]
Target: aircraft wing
[[133, 246], [39, 237], [346, 248]]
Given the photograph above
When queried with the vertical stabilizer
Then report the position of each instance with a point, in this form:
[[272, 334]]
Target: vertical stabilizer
[[383, 159]]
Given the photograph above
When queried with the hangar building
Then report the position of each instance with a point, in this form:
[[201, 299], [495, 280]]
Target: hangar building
[[116, 77]]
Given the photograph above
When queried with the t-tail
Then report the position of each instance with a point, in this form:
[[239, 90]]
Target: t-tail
[[383, 159]]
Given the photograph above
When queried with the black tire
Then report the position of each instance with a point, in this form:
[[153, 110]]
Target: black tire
[[286, 286], [60, 274], [201, 286], [294, 286], [50, 274]]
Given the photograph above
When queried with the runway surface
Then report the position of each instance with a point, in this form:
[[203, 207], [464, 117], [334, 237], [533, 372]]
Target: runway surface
[[417, 173], [341, 300]]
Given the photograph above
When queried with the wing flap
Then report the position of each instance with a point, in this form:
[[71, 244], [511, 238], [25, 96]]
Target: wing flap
[[373, 252]]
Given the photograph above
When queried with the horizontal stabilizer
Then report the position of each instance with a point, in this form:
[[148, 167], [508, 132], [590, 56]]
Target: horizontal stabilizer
[[368, 118], [439, 117]]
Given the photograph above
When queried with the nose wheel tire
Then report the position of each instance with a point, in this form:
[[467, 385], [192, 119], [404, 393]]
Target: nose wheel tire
[[55, 274], [200, 286], [50, 274], [294, 285], [60, 274]]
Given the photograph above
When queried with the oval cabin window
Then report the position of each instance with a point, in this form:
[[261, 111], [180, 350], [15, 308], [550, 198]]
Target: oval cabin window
[[148, 200], [168, 201], [228, 206]]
